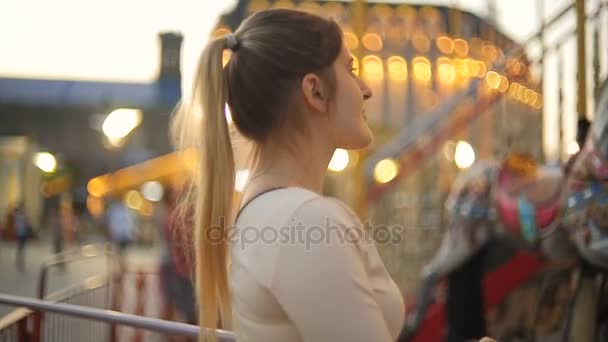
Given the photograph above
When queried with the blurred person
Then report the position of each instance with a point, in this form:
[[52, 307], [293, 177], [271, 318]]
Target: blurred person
[[121, 226], [176, 265], [22, 233], [69, 221], [292, 91], [55, 224], [52, 221]]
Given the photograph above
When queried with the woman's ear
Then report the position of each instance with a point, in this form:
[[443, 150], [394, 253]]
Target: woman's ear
[[315, 93]]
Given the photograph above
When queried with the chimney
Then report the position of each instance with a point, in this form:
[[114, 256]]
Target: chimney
[[170, 57]]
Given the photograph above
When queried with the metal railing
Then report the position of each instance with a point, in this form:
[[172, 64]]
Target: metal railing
[[70, 256], [97, 315], [95, 292], [119, 287], [13, 327]]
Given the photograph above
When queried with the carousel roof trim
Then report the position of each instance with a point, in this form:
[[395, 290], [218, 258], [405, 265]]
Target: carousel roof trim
[[232, 18]]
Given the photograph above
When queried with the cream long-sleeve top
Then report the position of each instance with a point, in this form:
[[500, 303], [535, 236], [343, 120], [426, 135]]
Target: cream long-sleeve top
[[303, 270]]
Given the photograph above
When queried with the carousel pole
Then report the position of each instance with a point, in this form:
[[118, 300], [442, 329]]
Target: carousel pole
[[560, 100], [581, 54], [584, 310], [540, 8]]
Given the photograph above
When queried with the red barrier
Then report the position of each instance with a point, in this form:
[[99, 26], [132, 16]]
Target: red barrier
[[140, 287]]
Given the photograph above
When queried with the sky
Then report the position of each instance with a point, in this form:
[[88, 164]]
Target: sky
[[108, 40], [116, 40]]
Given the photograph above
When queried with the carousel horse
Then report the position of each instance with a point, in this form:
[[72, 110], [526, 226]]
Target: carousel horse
[[559, 212]]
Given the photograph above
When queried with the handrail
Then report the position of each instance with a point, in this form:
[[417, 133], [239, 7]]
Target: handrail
[[84, 252], [91, 283], [13, 317], [113, 317]]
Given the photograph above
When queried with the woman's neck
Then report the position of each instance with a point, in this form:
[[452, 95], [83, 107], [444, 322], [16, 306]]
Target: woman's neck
[[300, 167]]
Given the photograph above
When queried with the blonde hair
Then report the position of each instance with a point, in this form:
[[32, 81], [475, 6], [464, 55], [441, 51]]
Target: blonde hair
[[212, 186], [274, 50]]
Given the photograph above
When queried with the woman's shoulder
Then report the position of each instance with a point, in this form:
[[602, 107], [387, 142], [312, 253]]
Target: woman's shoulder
[[270, 205], [298, 204], [325, 208]]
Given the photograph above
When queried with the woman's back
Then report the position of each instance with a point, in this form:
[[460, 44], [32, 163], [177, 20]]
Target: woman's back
[[302, 269]]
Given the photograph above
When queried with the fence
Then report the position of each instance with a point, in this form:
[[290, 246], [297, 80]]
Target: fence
[[117, 297], [16, 332]]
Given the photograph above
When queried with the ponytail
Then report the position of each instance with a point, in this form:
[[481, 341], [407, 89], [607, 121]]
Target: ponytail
[[212, 187]]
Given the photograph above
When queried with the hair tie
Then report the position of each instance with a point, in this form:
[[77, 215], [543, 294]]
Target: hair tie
[[232, 41]]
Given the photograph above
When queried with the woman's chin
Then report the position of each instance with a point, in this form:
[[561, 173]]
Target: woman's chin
[[361, 140], [369, 139]]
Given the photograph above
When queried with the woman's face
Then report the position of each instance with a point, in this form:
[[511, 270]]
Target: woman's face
[[347, 122]]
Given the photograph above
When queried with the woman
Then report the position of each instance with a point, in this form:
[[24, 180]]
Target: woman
[[293, 92]]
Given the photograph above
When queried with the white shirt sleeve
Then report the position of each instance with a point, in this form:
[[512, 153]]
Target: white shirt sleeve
[[323, 287]]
